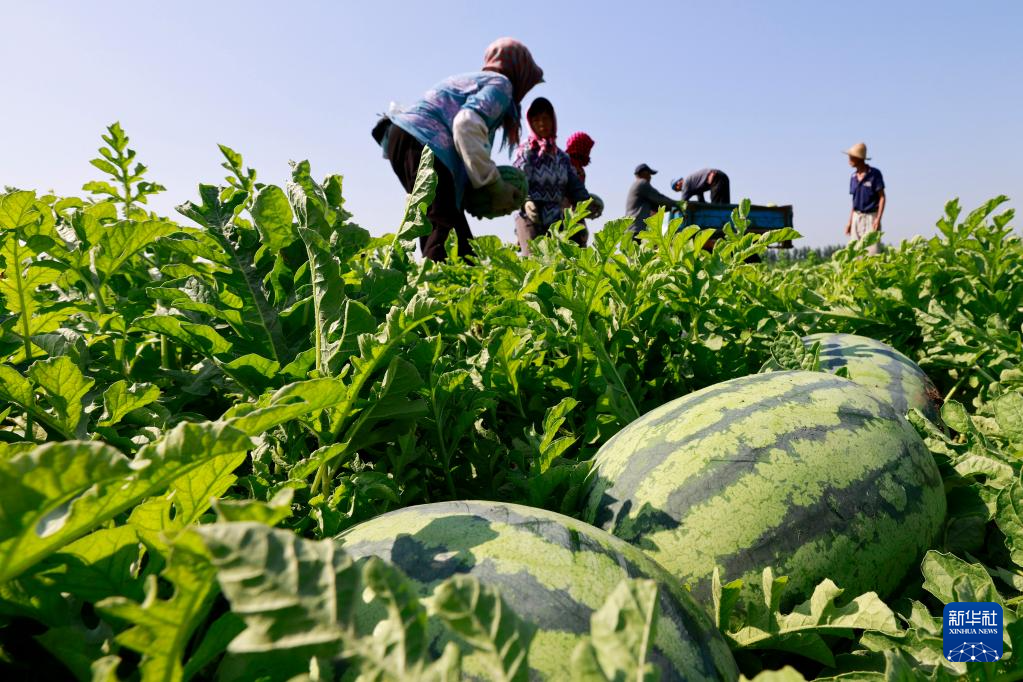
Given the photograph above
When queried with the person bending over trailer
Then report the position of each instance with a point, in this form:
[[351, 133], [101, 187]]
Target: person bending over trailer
[[704, 180]]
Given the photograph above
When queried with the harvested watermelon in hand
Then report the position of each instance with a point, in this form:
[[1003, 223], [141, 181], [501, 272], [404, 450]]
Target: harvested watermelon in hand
[[484, 202]]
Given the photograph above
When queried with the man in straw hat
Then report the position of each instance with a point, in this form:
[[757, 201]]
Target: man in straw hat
[[867, 189]]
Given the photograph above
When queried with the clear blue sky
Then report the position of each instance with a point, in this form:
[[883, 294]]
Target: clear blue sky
[[769, 92]]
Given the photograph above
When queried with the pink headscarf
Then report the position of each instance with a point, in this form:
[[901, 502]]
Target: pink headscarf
[[513, 60], [542, 145]]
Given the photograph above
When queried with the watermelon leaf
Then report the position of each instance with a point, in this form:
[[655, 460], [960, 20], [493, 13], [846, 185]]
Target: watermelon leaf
[[58, 492], [102, 564], [550, 446], [415, 224], [1009, 519], [272, 215], [622, 633], [921, 643], [300, 598], [724, 598], [400, 645], [1008, 412], [120, 398], [270, 513], [161, 628], [801, 631], [293, 594], [788, 351], [482, 619], [950, 579], [65, 387]]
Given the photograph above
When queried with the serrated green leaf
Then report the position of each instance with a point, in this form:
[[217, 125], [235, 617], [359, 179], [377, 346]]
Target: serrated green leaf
[[240, 256], [24, 275], [201, 337], [14, 387], [58, 492], [272, 215], [120, 242], [400, 645], [270, 513], [120, 398], [478, 615], [801, 630], [299, 399], [253, 370], [622, 634], [161, 628], [292, 593], [1009, 519], [950, 579], [415, 223], [159, 520], [551, 447], [17, 210], [39, 488], [954, 415], [102, 564], [65, 386], [1008, 411], [328, 296]]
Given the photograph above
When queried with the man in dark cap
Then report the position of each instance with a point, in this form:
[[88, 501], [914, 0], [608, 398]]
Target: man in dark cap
[[643, 200]]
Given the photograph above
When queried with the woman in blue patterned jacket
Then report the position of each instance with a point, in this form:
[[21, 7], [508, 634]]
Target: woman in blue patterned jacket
[[553, 182], [457, 119]]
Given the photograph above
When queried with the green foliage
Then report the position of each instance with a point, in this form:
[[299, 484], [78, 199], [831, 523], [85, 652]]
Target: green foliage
[[621, 635], [128, 187], [478, 615], [804, 629], [272, 363]]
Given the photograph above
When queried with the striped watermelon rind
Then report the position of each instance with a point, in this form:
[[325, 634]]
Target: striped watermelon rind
[[882, 369], [552, 570], [805, 472]]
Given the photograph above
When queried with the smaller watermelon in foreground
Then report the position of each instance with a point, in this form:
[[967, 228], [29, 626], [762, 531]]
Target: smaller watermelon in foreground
[[478, 202], [552, 570], [883, 370]]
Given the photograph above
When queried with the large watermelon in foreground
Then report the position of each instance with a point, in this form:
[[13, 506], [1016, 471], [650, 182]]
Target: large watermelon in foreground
[[552, 570], [805, 472], [882, 369]]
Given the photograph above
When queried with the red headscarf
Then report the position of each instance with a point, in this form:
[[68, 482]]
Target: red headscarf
[[512, 59], [578, 147], [542, 145]]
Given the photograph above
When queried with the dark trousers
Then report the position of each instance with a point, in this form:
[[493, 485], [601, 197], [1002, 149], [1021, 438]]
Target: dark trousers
[[404, 152], [720, 192]]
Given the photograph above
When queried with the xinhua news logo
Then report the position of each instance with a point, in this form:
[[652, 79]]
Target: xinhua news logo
[[973, 632]]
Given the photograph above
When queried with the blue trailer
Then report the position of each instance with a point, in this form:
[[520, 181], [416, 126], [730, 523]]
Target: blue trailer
[[716, 216]]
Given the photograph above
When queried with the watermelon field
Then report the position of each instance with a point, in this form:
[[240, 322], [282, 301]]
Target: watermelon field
[[253, 441]]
